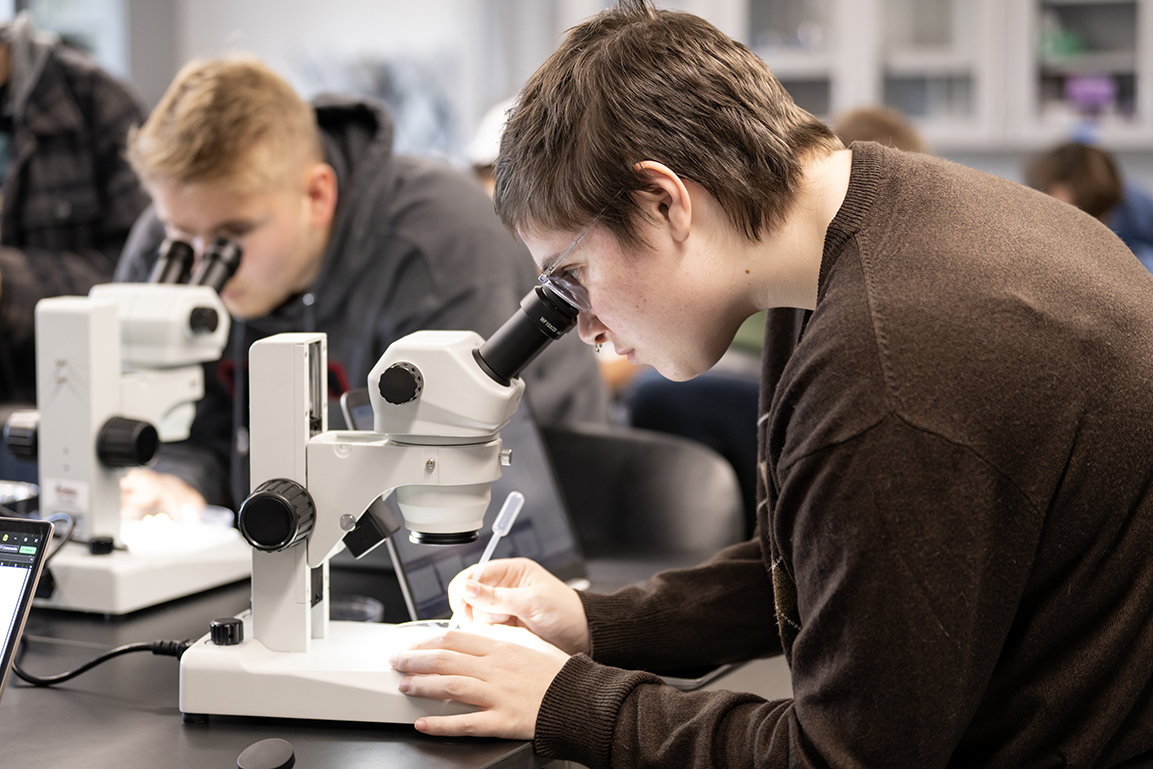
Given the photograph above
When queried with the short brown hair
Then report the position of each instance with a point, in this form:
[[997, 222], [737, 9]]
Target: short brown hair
[[230, 121], [1087, 172], [883, 125], [632, 84]]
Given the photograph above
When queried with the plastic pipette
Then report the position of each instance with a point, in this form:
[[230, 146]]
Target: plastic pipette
[[501, 526]]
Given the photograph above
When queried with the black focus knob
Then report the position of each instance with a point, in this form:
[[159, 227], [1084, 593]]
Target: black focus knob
[[401, 383], [227, 631], [20, 433], [101, 545], [203, 320], [124, 442], [277, 515]]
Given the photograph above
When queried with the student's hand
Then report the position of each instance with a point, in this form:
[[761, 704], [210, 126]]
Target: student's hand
[[503, 671], [147, 492], [521, 593]]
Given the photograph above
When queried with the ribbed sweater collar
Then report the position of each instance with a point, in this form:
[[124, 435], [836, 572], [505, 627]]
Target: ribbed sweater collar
[[864, 182]]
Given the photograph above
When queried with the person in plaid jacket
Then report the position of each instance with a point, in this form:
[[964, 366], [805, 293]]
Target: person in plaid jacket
[[69, 196]]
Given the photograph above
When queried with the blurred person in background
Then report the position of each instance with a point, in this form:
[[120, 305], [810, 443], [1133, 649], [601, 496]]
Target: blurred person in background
[[1088, 178], [69, 195], [485, 144], [883, 125]]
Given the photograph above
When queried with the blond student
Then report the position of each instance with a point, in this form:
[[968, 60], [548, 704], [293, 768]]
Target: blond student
[[339, 235]]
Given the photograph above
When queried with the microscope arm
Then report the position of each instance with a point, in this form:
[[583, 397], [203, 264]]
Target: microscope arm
[[164, 398], [348, 470]]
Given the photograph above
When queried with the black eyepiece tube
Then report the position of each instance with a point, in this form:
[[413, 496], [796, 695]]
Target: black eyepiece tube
[[218, 264], [173, 262], [543, 317]]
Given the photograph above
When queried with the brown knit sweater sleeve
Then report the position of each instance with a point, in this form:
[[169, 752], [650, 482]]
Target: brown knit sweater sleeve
[[679, 619], [720, 611], [601, 716]]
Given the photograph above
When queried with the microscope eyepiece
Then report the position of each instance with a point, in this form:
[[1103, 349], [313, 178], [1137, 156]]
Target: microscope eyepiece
[[218, 264], [173, 262], [543, 317], [203, 320]]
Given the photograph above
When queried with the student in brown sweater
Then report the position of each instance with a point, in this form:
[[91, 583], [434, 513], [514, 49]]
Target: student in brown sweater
[[956, 437]]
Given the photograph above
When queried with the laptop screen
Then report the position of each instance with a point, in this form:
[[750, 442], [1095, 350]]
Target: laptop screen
[[543, 530], [23, 544]]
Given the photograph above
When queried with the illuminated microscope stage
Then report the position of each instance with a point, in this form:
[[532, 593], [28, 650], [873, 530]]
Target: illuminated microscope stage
[[342, 677], [162, 561]]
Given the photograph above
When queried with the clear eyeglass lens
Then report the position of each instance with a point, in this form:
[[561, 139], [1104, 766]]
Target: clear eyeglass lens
[[568, 289]]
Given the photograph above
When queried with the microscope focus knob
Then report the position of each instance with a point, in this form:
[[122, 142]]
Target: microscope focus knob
[[20, 433], [277, 514], [124, 442], [401, 383]]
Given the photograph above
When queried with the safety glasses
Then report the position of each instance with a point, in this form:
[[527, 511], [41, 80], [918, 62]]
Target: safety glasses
[[563, 283]]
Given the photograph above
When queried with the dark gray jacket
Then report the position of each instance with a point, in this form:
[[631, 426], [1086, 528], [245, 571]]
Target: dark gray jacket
[[415, 245], [70, 197]]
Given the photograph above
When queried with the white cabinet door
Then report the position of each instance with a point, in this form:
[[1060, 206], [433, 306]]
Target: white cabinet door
[[1081, 68], [940, 62]]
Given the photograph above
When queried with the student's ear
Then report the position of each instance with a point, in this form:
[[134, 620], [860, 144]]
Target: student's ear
[[320, 189], [667, 200]]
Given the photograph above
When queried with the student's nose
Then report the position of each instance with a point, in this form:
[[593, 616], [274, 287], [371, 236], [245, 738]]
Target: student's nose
[[590, 328]]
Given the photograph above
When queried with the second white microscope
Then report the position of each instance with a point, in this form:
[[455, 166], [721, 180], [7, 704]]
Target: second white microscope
[[118, 372]]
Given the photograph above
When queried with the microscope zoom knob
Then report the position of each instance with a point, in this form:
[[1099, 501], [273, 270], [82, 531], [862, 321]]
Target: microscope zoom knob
[[277, 514], [401, 383], [203, 320], [20, 432], [124, 442]]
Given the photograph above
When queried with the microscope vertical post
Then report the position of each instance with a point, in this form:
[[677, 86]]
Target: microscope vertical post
[[78, 378], [289, 405]]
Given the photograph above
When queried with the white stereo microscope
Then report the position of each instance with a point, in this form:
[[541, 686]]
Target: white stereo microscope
[[117, 372], [440, 399]]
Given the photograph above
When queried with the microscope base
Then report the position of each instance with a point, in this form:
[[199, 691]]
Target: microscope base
[[344, 677], [160, 565]]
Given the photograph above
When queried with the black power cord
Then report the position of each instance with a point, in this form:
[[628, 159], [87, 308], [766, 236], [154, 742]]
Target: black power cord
[[69, 527], [162, 648]]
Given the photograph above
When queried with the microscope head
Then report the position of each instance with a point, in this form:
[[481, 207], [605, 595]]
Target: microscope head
[[167, 325], [439, 401], [452, 388], [427, 388], [177, 318]]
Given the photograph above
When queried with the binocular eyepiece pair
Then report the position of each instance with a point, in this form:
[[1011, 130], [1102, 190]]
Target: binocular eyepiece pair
[[175, 261]]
